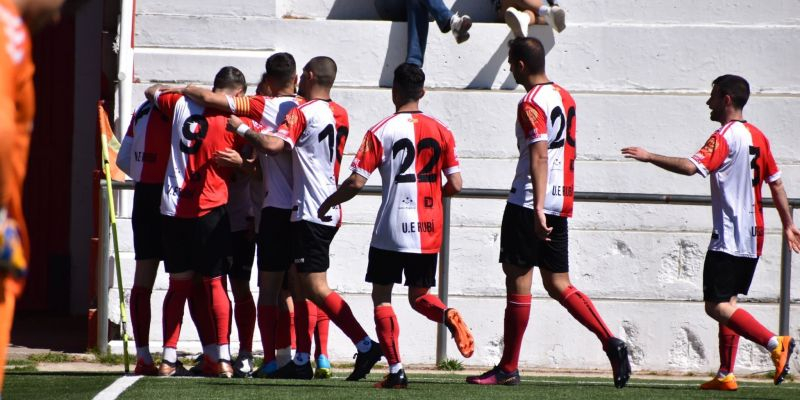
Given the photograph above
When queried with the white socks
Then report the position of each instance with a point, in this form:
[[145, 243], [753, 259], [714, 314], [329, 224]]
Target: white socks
[[364, 345], [544, 10], [395, 368], [773, 343], [170, 354], [301, 358]]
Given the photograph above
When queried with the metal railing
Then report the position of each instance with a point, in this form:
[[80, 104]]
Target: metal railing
[[444, 255]]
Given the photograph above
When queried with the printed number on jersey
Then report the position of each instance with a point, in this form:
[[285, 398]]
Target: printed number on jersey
[[194, 131], [338, 141], [426, 174]]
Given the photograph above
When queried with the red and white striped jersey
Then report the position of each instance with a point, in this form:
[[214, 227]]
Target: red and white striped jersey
[[411, 150], [277, 169], [547, 112], [317, 131], [739, 159], [194, 184], [147, 144]]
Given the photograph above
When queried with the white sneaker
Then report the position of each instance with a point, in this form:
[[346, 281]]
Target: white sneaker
[[243, 367], [459, 25], [518, 21], [556, 18]]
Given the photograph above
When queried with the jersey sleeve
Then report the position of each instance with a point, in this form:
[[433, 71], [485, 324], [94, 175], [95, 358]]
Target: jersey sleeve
[[712, 155], [450, 162], [772, 172], [369, 156], [166, 103], [249, 106], [292, 127], [533, 121]]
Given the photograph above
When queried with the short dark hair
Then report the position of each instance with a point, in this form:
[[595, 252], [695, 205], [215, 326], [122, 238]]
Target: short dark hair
[[528, 50], [734, 86], [324, 69], [409, 82], [281, 68], [229, 78]]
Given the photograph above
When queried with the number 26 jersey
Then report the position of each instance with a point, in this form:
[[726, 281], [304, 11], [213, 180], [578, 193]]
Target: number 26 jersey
[[411, 150]]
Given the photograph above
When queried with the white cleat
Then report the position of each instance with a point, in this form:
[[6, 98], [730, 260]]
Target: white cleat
[[518, 21], [459, 25], [556, 18]]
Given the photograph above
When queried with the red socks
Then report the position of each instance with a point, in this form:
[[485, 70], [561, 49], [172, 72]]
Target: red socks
[[341, 315], [728, 346], [198, 309], [321, 334], [140, 315], [268, 324], [388, 333], [178, 292], [305, 318], [245, 315], [582, 309], [518, 310], [431, 307], [219, 306], [284, 330], [745, 325]]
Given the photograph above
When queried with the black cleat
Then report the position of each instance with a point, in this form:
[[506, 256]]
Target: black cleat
[[617, 352], [365, 361], [393, 381], [294, 371]]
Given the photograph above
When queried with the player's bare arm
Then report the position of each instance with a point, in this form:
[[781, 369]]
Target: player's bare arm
[[349, 189], [782, 205], [453, 185], [228, 158], [150, 93], [264, 143], [207, 98], [678, 165], [539, 174]]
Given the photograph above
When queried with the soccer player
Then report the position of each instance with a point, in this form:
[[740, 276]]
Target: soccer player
[[534, 230], [143, 156], [19, 19], [316, 132], [412, 150], [196, 227], [739, 159]]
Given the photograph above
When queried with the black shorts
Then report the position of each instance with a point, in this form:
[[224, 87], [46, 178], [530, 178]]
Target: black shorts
[[244, 248], [520, 246], [146, 221], [726, 276], [274, 240], [386, 267], [202, 245], [311, 245]]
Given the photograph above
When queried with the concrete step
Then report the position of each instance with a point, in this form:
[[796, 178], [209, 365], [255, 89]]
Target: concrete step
[[590, 57]]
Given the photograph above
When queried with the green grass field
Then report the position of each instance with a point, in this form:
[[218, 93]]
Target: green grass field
[[33, 385]]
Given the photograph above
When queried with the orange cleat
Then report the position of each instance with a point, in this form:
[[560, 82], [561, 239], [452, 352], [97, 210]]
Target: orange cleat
[[461, 334], [780, 357], [728, 383]]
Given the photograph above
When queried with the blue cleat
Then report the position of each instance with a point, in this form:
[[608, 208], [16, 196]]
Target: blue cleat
[[323, 368]]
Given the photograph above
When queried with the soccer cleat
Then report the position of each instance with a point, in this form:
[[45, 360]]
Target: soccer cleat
[[460, 25], [460, 332], [293, 371], [172, 369], [365, 361], [556, 18], [728, 383], [323, 368], [225, 369], [780, 357], [617, 352], [198, 367], [393, 381], [518, 21], [243, 366], [495, 376], [145, 369], [267, 370]]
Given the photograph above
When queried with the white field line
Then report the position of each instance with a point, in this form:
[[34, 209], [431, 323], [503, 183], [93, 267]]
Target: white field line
[[115, 389]]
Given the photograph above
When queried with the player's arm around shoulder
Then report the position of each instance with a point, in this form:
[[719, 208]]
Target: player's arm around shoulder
[[265, 143]]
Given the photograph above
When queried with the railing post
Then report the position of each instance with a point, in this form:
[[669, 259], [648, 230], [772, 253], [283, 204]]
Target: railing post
[[786, 282], [444, 277], [102, 271]]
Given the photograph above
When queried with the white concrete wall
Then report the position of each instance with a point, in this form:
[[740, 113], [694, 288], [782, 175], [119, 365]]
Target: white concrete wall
[[640, 76]]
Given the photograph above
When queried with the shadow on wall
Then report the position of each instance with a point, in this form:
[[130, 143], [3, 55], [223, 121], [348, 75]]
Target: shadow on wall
[[354, 9], [395, 52]]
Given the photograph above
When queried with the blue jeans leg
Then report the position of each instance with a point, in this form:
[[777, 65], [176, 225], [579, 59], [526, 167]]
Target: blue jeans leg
[[417, 31], [440, 13]]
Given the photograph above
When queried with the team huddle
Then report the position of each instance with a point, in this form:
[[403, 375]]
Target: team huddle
[[223, 179]]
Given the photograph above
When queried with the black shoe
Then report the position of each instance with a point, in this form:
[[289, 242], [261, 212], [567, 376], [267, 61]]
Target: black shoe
[[294, 371], [393, 381], [618, 355], [365, 361]]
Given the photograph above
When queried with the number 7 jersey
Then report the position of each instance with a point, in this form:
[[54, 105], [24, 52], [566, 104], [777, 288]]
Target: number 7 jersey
[[411, 150]]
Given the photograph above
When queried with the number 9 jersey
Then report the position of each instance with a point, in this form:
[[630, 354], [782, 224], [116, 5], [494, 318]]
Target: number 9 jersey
[[411, 150]]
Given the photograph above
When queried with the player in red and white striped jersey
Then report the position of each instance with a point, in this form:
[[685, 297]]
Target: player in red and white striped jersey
[[196, 224], [315, 132], [739, 159], [143, 156], [534, 230], [412, 150]]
